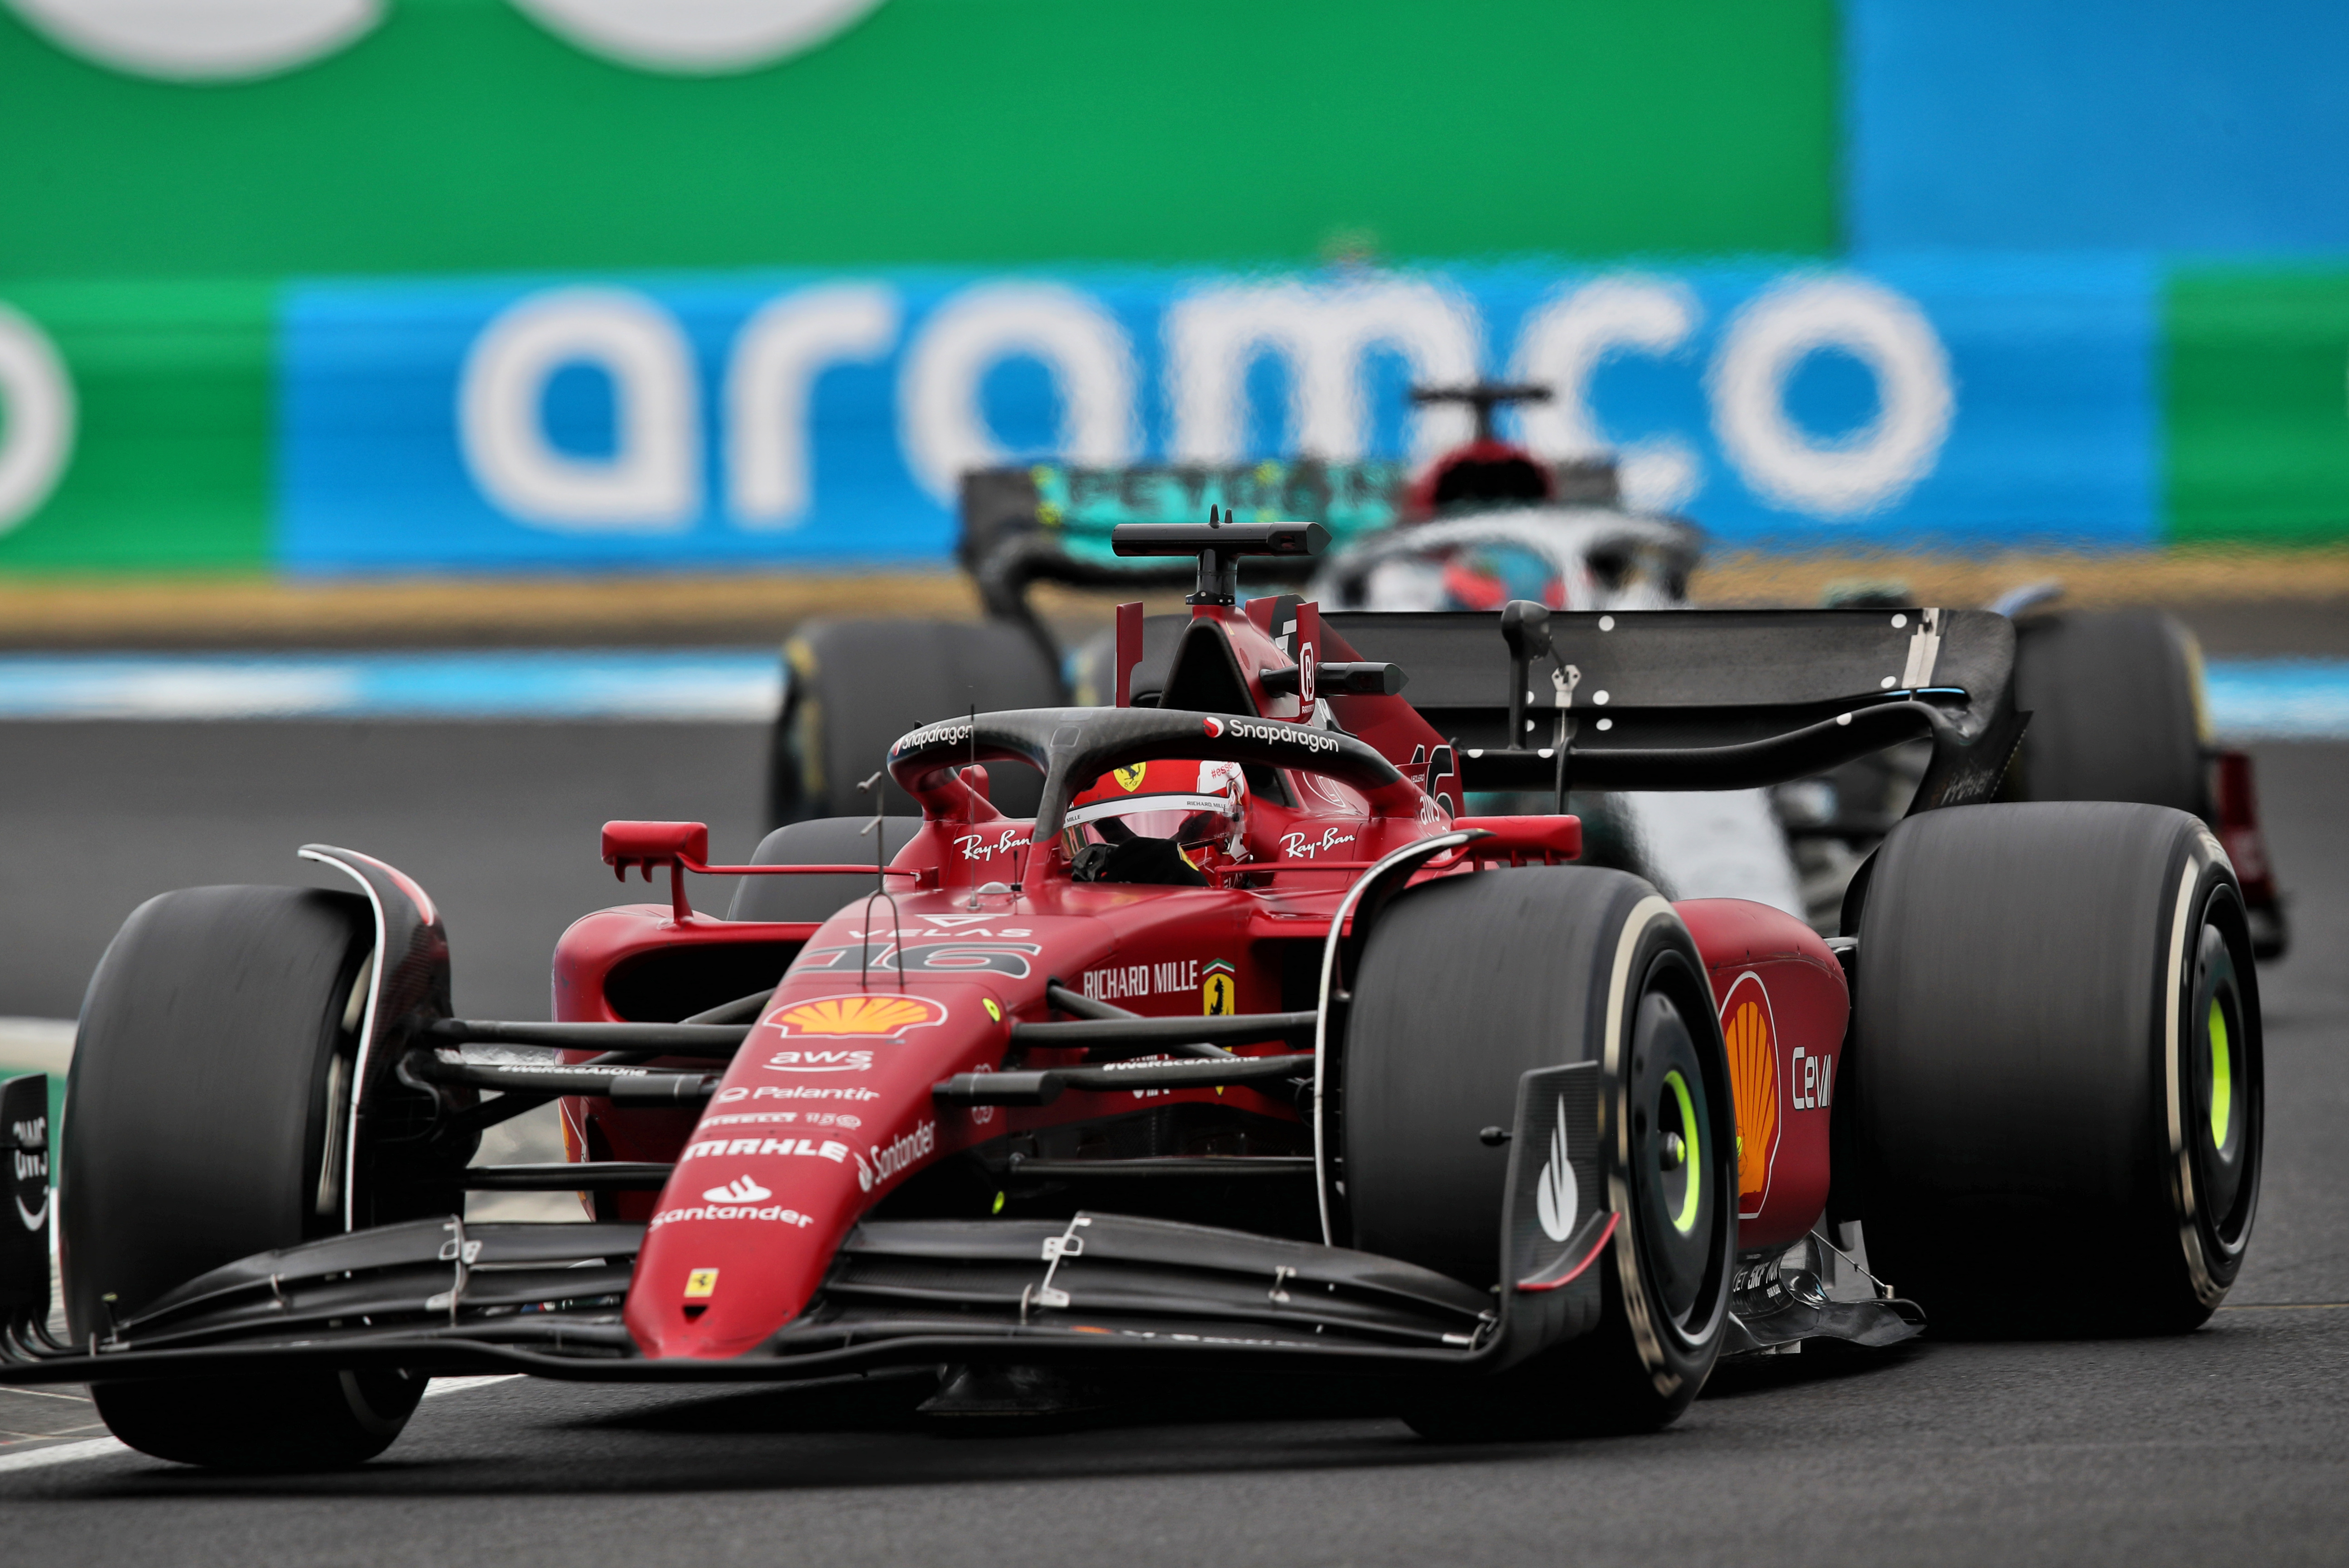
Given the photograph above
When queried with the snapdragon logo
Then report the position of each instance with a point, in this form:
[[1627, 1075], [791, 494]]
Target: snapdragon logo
[[1282, 734], [931, 735]]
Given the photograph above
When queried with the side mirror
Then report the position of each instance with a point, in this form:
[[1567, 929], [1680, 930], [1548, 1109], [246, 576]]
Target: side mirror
[[651, 844]]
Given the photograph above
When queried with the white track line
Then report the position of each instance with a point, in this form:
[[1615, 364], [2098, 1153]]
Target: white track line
[[101, 1448], [63, 1454]]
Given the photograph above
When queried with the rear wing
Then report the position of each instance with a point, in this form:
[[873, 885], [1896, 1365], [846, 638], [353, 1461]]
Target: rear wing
[[1697, 699], [1074, 509], [1051, 523]]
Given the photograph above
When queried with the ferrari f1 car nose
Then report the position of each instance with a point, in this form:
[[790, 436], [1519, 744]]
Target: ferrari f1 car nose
[[827, 1107]]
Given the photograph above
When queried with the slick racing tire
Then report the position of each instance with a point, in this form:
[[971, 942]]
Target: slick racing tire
[[1466, 984], [2116, 705], [853, 687], [210, 1097], [2054, 1077], [1095, 664]]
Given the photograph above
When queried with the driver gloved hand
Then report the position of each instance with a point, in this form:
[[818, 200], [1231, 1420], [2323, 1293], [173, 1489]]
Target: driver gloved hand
[[1156, 861]]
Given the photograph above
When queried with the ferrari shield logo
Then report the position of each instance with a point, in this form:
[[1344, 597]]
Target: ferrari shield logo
[[1130, 779], [700, 1284], [1219, 992]]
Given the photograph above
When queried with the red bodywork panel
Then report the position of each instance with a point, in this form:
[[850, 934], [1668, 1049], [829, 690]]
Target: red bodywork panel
[[828, 1108], [1783, 1004]]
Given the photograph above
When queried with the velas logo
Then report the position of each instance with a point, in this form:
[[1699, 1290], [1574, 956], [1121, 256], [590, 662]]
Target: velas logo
[[741, 1190], [862, 1013]]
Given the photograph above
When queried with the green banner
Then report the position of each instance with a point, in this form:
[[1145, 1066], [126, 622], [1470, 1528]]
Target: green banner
[[161, 461], [465, 135], [2258, 404]]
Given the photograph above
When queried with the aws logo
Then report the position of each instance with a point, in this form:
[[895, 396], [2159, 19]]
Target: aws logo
[[859, 1014], [1753, 1038]]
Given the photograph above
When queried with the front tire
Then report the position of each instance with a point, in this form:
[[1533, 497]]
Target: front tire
[[210, 1100], [1466, 984], [2054, 1074]]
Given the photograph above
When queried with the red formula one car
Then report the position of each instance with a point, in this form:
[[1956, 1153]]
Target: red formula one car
[[1250, 1053]]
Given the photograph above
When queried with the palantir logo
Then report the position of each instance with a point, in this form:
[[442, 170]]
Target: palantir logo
[[741, 1190], [1554, 1196]]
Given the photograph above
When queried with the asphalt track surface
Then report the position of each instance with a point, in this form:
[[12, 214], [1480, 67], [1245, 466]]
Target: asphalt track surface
[[2231, 1444]]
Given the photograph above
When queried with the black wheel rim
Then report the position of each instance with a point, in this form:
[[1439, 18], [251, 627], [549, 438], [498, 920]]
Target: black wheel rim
[[2220, 1093], [1675, 1192]]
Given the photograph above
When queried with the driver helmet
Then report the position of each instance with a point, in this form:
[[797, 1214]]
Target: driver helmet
[[1192, 803]]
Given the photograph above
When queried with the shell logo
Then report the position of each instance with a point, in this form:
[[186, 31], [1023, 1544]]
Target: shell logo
[[1753, 1040], [860, 1014]]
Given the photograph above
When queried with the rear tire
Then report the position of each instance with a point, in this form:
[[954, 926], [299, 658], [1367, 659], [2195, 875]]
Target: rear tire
[[2054, 1073], [210, 1095], [1466, 984], [2116, 705], [853, 687]]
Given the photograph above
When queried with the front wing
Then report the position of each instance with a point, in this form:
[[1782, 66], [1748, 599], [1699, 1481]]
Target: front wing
[[445, 1297]]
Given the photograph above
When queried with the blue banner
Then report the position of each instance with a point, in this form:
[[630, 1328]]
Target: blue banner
[[692, 422]]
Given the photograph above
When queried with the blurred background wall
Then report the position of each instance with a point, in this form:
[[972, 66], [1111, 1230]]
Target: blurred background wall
[[337, 286]]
